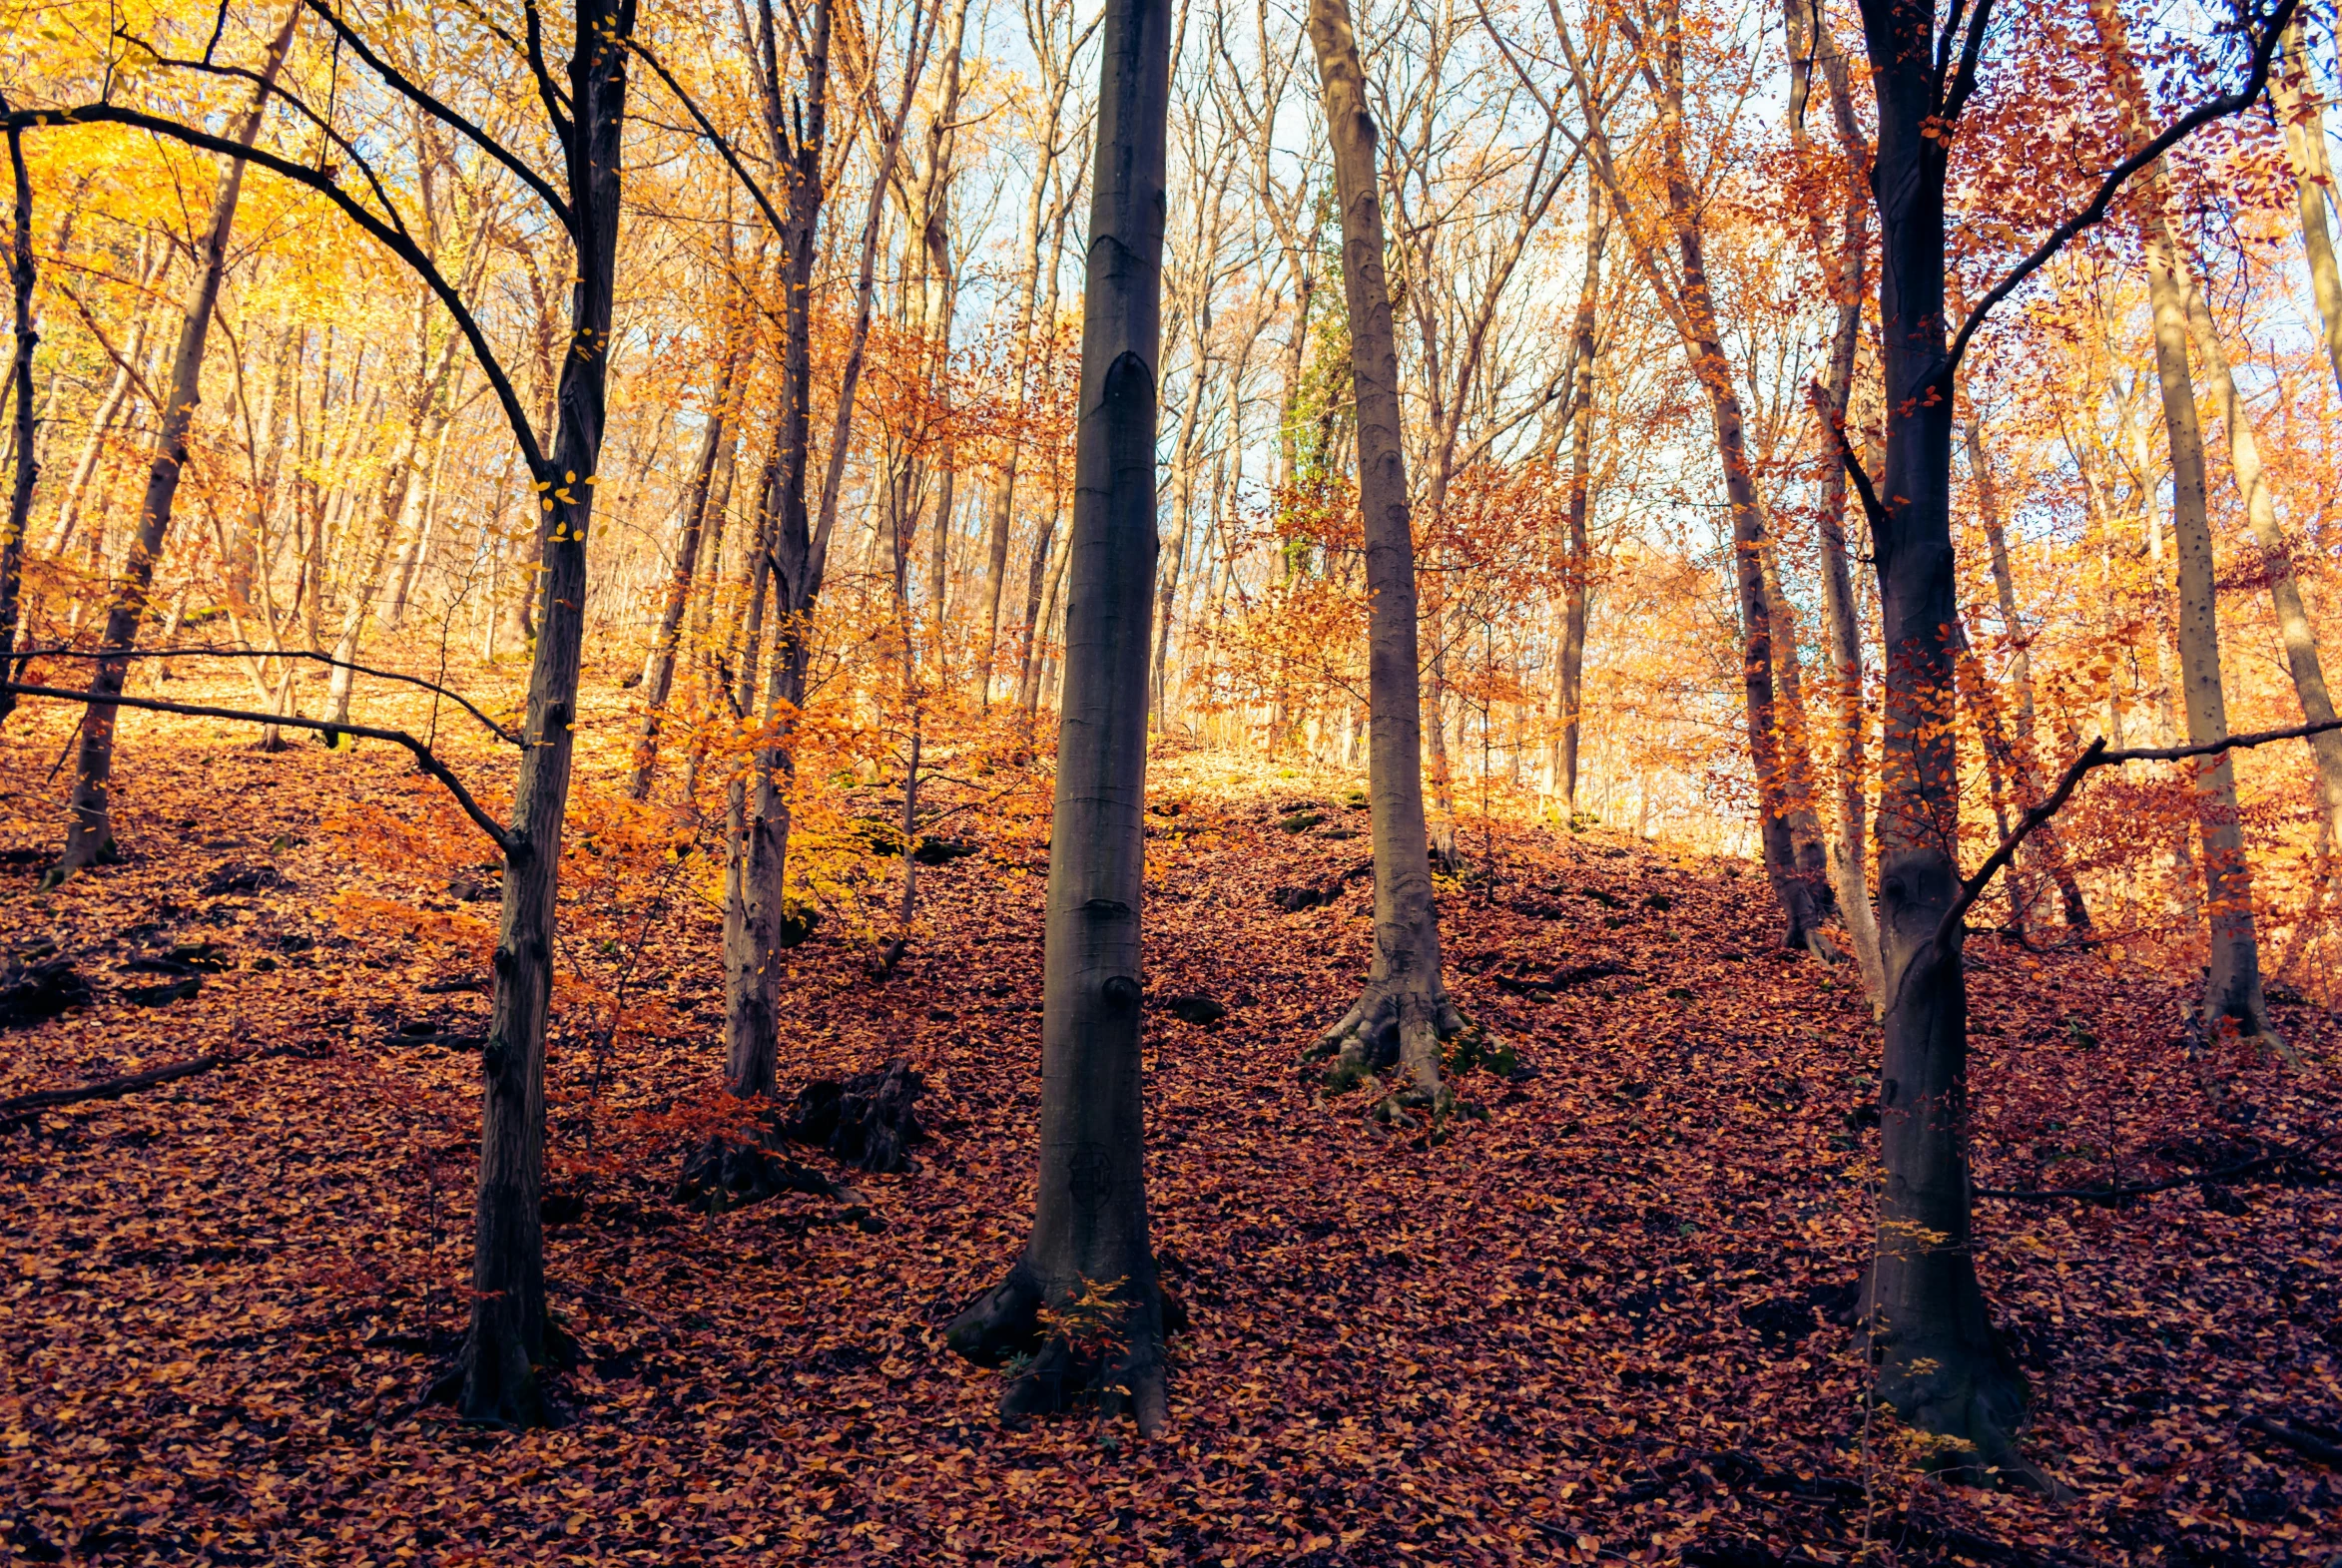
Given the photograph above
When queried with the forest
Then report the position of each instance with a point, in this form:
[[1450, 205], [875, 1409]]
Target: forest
[[1158, 782]]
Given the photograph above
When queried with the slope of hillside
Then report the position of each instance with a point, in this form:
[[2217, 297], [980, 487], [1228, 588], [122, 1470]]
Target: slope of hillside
[[1609, 1322]]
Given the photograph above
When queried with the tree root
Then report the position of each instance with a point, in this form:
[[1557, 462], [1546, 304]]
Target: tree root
[[1121, 1372], [1390, 1042]]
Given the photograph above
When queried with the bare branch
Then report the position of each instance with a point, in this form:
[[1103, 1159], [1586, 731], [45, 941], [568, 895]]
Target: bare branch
[[503, 838], [2095, 757], [27, 655], [393, 238], [2203, 114], [486, 143]]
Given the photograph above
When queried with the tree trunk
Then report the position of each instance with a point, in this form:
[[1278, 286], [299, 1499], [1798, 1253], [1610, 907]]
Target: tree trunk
[[1040, 602], [2232, 987], [1843, 264], [1800, 796], [1937, 1360], [89, 831], [1405, 1012], [1579, 565], [2293, 93], [659, 667], [2047, 858], [1703, 342], [28, 467], [507, 1338], [1090, 1230], [2294, 628]]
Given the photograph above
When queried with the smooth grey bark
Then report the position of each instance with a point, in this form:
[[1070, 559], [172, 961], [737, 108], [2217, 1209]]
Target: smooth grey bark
[[89, 828], [507, 1340], [2293, 93], [1090, 1224], [2233, 984], [1842, 261], [1403, 1014], [2294, 629]]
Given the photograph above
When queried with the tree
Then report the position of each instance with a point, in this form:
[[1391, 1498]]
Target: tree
[[89, 826], [1089, 1235], [1938, 1360], [2232, 985], [1403, 1014], [20, 382]]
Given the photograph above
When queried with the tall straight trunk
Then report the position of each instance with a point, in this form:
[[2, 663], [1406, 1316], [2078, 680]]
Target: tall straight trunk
[[2232, 985], [2294, 629], [659, 667], [507, 1338], [1800, 796], [2293, 92], [1002, 502], [1090, 1225], [1403, 1012], [1570, 694], [1931, 1342], [89, 830], [1842, 261], [116, 395], [796, 551], [1703, 339], [28, 465], [1040, 603], [2044, 854], [1182, 507]]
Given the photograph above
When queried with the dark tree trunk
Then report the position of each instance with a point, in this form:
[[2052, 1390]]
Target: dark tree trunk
[[1090, 1230], [507, 1340], [1937, 1360], [89, 828], [20, 495]]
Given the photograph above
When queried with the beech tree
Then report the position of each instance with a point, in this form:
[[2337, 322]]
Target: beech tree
[[1403, 1014], [1938, 1360], [1091, 1235]]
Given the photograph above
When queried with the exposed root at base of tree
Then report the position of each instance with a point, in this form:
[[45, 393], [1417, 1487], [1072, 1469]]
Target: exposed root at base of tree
[[1089, 1349], [1390, 1042]]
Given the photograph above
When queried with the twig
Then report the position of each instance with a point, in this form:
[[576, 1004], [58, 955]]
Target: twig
[[503, 838], [2097, 756], [2295, 1439], [27, 655], [2263, 52], [23, 1105]]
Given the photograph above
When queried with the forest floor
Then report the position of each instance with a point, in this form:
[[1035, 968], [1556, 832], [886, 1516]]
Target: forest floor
[[1609, 1323]]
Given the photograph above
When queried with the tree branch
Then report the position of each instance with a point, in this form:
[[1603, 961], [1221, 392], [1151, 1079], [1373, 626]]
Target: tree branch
[[1835, 423], [2203, 114], [504, 840], [2097, 756], [399, 244], [487, 144], [27, 655], [723, 147]]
